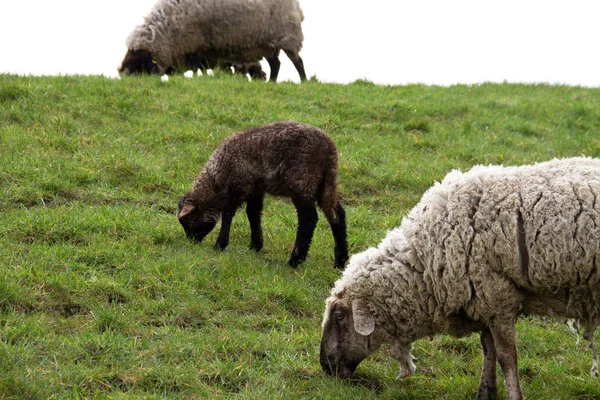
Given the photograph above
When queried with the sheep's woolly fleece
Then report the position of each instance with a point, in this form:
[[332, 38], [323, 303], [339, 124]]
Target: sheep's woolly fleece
[[478, 240], [238, 29]]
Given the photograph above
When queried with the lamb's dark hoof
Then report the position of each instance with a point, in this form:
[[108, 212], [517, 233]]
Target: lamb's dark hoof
[[219, 246], [256, 246], [340, 264], [295, 261]]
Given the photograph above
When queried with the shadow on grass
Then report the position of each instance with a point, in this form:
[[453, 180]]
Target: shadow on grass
[[367, 381]]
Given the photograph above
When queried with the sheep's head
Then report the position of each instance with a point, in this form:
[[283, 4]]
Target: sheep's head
[[197, 219], [349, 335], [138, 62]]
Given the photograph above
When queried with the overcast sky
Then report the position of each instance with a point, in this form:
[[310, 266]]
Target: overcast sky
[[384, 41]]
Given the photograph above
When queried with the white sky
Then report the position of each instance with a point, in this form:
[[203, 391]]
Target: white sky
[[385, 41]]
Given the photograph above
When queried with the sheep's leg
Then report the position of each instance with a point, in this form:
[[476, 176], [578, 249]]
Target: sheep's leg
[[274, 65], [254, 209], [298, 63], [488, 386], [256, 72], [337, 222], [504, 335], [401, 352], [588, 335], [229, 209], [307, 221]]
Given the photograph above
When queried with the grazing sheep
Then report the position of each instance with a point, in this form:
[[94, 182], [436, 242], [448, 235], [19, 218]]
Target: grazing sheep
[[288, 159], [237, 32], [479, 249]]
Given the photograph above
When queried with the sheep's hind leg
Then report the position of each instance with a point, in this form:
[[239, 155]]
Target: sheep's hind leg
[[588, 335], [488, 386], [298, 63], [307, 221], [253, 211], [337, 222]]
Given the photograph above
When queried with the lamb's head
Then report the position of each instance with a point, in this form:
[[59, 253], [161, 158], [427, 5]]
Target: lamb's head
[[349, 335], [197, 217], [138, 62]]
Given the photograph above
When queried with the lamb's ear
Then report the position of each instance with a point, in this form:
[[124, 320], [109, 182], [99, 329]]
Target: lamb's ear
[[364, 322], [186, 209]]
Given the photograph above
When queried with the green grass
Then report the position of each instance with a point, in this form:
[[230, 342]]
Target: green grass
[[102, 296]]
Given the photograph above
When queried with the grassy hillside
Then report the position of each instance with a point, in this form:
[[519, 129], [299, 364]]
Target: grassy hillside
[[101, 294]]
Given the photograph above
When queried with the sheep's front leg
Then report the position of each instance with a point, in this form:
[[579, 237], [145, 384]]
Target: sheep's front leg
[[488, 386], [254, 211], [588, 335], [307, 221], [231, 206], [504, 335], [401, 352], [274, 65]]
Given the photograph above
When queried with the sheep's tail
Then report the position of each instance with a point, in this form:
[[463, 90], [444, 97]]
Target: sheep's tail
[[328, 194]]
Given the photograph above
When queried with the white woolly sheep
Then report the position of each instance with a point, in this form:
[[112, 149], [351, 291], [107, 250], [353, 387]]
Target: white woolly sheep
[[478, 250], [237, 32], [287, 159]]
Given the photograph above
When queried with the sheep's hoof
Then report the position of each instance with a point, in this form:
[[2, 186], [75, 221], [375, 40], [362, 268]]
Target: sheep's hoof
[[256, 246], [295, 261], [219, 246]]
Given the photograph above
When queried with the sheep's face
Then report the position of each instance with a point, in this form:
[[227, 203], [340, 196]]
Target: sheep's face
[[197, 221], [138, 62], [349, 336]]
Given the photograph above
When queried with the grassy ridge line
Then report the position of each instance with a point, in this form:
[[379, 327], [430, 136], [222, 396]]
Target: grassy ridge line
[[102, 295]]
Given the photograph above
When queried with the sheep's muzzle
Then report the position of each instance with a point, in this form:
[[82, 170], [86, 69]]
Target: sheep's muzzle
[[339, 368]]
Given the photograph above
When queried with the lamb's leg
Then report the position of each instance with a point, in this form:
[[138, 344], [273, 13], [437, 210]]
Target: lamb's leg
[[307, 221], [253, 211], [488, 386], [504, 334], [274, 65], [337, 222], [231, 205], [588, 335], [298, 63]]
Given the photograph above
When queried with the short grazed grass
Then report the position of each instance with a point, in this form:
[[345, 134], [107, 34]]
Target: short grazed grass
[[102, 296]]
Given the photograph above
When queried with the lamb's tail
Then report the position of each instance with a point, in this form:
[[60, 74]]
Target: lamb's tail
[[329, 201], [328, 198]]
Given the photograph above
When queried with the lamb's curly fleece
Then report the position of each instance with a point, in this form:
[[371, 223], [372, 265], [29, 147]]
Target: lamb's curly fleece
[[488, 243], [174, 28]]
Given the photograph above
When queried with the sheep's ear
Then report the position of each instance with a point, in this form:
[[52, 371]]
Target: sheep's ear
[[186, 209], [364, 323]]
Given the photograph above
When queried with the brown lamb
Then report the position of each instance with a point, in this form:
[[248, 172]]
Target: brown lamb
[[289, 159]]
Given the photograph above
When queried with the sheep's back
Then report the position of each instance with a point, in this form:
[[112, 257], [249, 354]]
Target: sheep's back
[[256, 26], [239, 30], [286, 158], [494, 228]]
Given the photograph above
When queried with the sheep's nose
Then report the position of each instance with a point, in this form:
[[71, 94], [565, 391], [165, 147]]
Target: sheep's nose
[[329, 367]]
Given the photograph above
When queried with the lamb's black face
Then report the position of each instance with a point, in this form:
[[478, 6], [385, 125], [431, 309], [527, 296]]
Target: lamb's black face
[[196, 224], [138, 62]]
